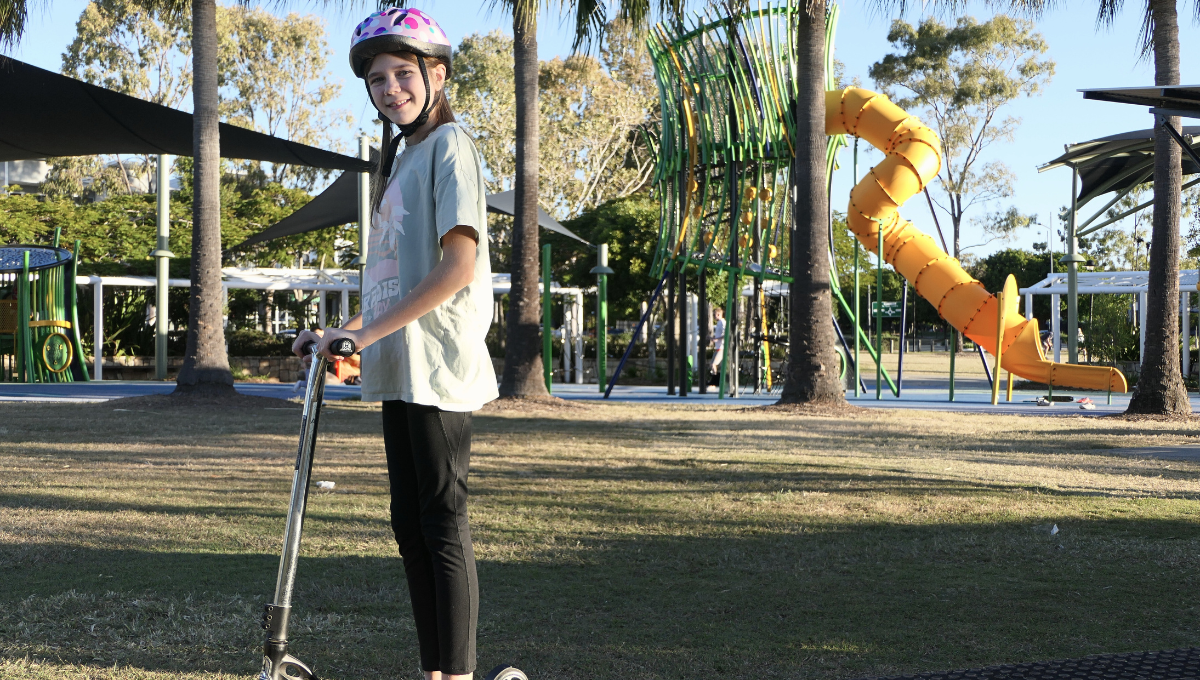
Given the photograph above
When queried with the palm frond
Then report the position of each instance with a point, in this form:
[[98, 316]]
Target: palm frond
[[13, 14], [590, 18], [527, 10], [1146, 35]]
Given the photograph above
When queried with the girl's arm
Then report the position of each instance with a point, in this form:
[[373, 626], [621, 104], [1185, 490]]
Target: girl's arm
[[306, 336], [455, 271]]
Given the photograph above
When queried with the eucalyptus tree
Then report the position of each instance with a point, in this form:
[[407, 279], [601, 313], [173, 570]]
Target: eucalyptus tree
[[959, 78], [589, 147], [522, 375], [1160, 388]]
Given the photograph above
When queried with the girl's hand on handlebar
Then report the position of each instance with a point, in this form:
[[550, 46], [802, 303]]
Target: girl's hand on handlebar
[[332, 334], [302, 339]]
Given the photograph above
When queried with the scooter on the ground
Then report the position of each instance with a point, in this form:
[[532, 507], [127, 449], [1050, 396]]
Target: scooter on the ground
[[278, 664]]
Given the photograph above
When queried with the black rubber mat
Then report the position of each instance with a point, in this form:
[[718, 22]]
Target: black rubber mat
[[1176, 664]]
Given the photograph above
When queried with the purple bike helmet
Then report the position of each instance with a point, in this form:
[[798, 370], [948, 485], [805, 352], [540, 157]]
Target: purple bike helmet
[[400, 30]]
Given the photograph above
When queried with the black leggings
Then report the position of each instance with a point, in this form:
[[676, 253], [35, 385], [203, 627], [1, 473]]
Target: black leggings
[[428, 451]]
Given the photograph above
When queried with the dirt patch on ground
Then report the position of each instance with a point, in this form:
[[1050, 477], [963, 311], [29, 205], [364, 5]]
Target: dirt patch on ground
[[194, 402], [1155, 417], [831, 409], [530, 405]]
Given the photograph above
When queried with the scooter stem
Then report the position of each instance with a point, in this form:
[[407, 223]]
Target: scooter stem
[[275, 615]]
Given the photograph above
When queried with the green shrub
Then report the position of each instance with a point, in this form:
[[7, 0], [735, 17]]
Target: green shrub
[[252, 343]]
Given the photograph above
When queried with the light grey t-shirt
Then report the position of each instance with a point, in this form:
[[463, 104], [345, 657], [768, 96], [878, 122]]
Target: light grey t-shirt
[[440, 359]]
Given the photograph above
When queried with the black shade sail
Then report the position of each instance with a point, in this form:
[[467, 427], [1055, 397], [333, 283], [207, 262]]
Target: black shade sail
[[338, 204], [504, 203], [1117, 162], [44, 114], [1169, 100]]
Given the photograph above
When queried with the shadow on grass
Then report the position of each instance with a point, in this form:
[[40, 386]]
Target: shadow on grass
[[849, 601]]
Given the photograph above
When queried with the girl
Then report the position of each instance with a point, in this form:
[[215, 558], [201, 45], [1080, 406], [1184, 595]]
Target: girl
[[426, 308]]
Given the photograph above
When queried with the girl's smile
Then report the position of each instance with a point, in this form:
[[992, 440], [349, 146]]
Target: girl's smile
[[397, 87]]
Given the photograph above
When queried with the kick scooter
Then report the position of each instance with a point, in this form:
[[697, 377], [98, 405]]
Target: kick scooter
[[278, 664]]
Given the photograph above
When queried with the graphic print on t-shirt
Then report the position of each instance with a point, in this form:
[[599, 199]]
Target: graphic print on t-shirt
[[382, 281]]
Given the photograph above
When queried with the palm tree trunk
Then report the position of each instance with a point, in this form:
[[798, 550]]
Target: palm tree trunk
[[522, 358], [1160, 387], [206, 364], [812, 375]]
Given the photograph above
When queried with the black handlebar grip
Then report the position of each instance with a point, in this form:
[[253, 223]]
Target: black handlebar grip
[[343, 347]]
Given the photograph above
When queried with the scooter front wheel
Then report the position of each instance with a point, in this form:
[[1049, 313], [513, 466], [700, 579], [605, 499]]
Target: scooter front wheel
[[505, 672]]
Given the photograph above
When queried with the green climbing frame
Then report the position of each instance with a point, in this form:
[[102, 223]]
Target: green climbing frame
[[725, 146], [39, 323]]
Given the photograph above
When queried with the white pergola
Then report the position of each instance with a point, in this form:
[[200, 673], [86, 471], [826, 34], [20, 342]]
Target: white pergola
[[1115, 283], [342, 281], [571, 331]]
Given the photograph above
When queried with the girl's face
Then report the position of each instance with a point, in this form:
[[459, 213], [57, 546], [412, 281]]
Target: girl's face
[[397, 87]]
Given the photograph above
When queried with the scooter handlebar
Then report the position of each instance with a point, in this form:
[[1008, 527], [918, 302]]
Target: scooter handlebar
[[342, 347]]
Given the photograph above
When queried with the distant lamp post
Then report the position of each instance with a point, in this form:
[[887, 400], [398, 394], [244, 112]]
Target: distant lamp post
[[162, 269]]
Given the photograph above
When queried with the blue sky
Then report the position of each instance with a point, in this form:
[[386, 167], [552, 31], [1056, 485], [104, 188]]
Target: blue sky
[[1086, 57]]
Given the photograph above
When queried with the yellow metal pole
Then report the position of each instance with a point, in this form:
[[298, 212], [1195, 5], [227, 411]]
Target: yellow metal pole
[[999, 347], [1010, 383]]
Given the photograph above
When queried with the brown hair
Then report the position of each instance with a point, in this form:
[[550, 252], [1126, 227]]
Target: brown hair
[[440, 113]]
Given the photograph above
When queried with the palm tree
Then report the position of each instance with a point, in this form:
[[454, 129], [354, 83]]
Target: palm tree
[[522, 375], [812, 374], [1160, 388], [522, 357], [206, 365]]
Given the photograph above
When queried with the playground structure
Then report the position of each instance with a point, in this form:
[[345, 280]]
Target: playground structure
[[723, 174], [39, 323]]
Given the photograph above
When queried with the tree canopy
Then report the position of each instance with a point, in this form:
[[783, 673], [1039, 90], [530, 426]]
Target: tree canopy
[[958, 78], [272, 75]]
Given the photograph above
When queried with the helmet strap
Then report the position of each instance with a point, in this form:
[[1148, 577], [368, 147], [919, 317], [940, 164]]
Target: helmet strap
[[389, 156], [423, 117], [405, 130]]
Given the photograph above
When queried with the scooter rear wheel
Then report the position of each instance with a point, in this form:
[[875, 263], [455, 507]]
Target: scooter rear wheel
[[505, 672]]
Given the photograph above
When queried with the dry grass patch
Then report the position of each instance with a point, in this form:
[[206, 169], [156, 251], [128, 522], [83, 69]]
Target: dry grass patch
[[615, 541]]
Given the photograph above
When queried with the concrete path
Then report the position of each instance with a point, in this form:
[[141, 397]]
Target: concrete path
[[974, 398], [103, 390], [923, 395]]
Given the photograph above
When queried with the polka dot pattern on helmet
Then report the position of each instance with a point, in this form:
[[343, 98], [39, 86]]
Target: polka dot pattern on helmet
[[408, 23]]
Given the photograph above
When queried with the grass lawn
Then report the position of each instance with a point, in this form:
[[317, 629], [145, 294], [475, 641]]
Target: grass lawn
[[614, 541]]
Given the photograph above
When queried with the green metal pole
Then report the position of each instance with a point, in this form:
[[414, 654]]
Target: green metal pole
[[726, 344], [364, 203], [857, 323], [75, 312], [879, 321], [601, 271], [857, 314], [162, 254], [547, 339], [953, 344], [1073, 259], [22, 348]]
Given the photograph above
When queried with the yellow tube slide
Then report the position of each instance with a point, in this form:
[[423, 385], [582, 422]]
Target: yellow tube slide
[[913, 160]]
